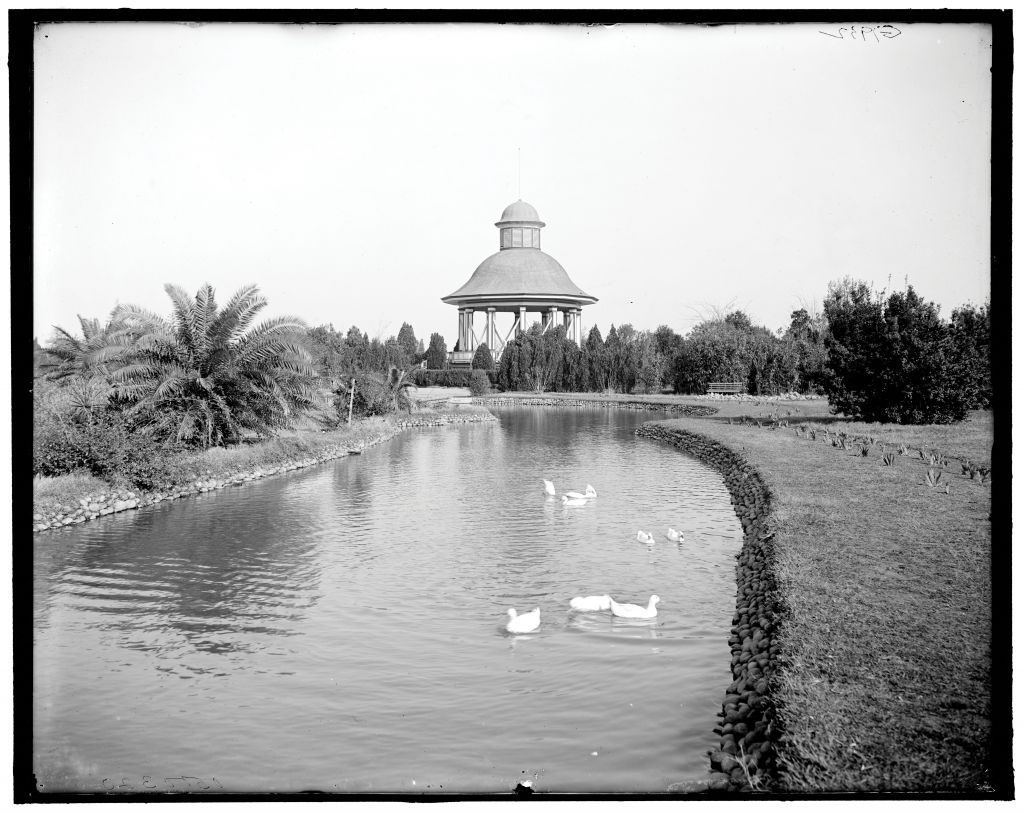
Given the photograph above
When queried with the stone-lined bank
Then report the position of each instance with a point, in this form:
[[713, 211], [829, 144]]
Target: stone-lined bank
[[745, 756], [681, 409], [114, 500]]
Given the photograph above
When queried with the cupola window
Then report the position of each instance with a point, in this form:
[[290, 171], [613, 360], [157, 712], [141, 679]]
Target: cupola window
[[520, 238]]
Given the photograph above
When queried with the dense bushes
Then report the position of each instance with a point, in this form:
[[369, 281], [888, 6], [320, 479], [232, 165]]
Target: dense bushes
[[483, 359], [733, 349], [446, 378], [103, 441], [894, 360], [479, 383]]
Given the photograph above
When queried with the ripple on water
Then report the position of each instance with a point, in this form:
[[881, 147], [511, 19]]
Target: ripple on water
[[343, 626]]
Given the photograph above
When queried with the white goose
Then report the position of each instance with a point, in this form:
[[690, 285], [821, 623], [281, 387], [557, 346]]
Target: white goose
[[635, 610], [674, 535], [549, 488], [588, 494], [591, 603], [646, 538], [527, 622]]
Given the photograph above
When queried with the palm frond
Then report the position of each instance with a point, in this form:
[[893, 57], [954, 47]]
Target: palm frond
[[205, 315], [184, 317], [236, 316]]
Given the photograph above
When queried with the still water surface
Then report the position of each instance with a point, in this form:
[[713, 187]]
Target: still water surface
[[342, 628]]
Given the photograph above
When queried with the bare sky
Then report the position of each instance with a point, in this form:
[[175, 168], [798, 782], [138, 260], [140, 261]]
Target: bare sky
[[355, 172]]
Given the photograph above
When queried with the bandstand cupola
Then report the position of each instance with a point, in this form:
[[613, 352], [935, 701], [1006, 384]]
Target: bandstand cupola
[[520, 227], [517, 279]]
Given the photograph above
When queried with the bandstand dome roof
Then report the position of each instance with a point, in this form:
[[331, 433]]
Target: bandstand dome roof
[[519, 273], [517, 276]]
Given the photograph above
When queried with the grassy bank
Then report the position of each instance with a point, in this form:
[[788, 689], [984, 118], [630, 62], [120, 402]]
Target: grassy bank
[[885, 678]]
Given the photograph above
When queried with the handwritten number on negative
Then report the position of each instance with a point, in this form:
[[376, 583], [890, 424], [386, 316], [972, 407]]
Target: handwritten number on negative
[[852, 32]]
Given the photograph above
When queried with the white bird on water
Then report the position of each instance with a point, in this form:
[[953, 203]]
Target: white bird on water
[[674, 535], [635, 610], [549, 488], [646, 538], [567, 500], [589, 494], [527, 622], [591, 603]]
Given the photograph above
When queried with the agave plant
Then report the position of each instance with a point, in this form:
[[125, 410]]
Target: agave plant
[[207, 375], [932, 477], [903, 450], [888, 459], [864, 449]]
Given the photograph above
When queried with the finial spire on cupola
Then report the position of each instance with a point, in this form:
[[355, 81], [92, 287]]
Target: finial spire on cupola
[[520, 226]]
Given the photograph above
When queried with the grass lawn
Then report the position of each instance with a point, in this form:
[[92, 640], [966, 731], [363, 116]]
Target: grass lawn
[[886, 678]]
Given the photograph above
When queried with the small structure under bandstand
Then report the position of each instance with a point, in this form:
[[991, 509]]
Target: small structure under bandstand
[[518, 279]]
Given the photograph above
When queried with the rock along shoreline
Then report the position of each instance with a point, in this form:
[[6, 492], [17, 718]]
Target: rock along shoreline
[[114, 501], [745, 757]]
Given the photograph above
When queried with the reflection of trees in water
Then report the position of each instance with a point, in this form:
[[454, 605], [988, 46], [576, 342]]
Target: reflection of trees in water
[[203, 576]]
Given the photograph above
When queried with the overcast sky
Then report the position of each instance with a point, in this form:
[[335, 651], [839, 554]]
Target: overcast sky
[[354, 172]]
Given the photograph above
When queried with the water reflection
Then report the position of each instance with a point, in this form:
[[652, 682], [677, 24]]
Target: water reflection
[[344, 626]]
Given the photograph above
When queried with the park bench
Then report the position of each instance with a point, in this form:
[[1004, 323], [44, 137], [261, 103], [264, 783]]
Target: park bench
[[726, 387]]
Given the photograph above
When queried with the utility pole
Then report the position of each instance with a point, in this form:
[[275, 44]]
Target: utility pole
[[351, 395]]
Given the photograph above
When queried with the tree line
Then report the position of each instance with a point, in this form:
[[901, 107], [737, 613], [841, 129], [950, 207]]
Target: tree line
[[113, 395]]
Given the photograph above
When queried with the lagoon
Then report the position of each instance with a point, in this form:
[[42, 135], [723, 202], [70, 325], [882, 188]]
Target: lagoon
[[342, 628]]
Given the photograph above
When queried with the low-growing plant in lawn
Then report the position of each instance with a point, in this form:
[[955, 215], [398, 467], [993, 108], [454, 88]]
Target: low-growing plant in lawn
[[985, 474], [903, 450], [888, 459], [864, 449], [932, 477]]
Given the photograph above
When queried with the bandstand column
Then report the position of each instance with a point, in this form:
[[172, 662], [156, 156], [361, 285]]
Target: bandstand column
[[521, 328], [490, 329]]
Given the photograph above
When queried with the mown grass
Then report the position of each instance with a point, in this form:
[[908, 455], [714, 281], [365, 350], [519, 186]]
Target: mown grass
[[886, 678]]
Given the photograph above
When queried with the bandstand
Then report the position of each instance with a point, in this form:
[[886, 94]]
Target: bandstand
[[518, 279]]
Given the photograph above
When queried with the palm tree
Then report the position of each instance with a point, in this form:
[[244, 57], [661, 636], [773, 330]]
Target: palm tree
[[101, 349], [399, 386], [205, 376]]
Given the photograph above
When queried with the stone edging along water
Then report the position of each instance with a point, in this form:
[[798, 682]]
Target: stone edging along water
[[117, 500], [686, 409], [745, 757]]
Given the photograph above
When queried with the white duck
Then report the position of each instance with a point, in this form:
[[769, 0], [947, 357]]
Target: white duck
[[674, 535], [589, 494], [635, 610], [527, 622], [567, 500], [646, 538], [549, 488], [591, 603]]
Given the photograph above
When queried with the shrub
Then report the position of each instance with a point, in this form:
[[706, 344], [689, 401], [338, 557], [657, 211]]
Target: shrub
[[437, 352], [482, 358], [479, 383], [104, 442], [446, 378], [895, 361]]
